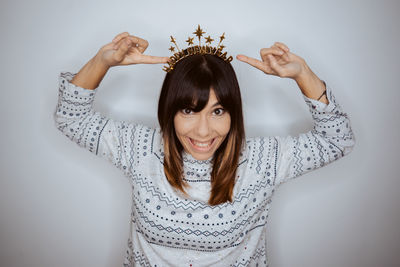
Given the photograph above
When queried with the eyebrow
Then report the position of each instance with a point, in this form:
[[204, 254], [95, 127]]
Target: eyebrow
[[216, 104]]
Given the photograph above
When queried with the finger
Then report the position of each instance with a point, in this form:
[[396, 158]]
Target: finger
[[284, 55], [122, 50], [275, 66], [275, 46], [252, 61], [153, 59], [119, 37], [282, 46], [264, 52], [271, 51], [119, 43], [138, 43], [142, 44]]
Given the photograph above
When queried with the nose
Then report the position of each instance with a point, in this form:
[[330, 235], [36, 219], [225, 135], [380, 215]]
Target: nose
[[203, 127]]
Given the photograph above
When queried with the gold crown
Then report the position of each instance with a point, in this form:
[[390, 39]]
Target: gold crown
[[196, 49]]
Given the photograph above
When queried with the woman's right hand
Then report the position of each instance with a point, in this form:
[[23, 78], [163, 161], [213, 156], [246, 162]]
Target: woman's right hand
[[127, 49], [124, 49]]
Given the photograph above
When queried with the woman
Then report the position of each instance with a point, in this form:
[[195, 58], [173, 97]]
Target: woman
[[200, 191]]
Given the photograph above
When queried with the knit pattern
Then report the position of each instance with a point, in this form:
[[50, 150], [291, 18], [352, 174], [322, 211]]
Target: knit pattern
[[171, 229]]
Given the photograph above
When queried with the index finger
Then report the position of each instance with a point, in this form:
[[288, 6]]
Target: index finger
[[145, 59], [251, 61]]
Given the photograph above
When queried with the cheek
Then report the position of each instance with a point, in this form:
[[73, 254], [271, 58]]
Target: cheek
[[224, 125], [177, 125], [181, 126]]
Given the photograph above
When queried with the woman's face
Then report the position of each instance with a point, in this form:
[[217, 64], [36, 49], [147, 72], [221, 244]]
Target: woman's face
[[201, 133]]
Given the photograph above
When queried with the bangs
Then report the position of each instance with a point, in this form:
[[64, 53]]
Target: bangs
[[194, 90]]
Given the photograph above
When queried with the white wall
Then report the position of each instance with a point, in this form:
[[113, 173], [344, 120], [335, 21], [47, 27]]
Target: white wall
[[62, 206]]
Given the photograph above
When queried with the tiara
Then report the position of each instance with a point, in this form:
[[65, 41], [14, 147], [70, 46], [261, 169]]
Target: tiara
[[196, 49]]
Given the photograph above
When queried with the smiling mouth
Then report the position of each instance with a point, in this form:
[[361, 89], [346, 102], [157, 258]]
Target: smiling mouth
[[201, 146]]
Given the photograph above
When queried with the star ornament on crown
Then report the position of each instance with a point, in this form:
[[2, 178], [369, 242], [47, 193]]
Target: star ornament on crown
[[196, 49]]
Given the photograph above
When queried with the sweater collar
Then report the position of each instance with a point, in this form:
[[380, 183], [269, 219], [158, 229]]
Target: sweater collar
[[196, 166]]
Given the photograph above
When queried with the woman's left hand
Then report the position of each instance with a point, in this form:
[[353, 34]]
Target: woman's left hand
[[277, 60]]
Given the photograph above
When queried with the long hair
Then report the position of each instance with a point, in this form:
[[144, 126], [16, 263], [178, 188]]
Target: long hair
[[188, 86]]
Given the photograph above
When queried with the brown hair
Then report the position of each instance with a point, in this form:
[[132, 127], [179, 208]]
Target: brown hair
[[188, 86]]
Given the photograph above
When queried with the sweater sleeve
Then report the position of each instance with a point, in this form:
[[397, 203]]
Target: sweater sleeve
[[77, 120], [330, 139], [279, 159]]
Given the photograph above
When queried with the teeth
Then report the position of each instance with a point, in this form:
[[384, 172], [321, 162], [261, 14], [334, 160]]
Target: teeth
[[201, 144]]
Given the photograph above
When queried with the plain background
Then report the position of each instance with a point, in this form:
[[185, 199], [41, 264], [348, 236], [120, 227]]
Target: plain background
[[62, 206]]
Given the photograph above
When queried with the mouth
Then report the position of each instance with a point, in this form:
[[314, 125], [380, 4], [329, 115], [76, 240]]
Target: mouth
[[201, 146]]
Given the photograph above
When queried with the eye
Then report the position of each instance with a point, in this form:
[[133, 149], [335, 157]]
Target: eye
[[187, 111], [219, 111]]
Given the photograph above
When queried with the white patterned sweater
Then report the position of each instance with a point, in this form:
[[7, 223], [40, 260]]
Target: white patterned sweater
[[169, 229]]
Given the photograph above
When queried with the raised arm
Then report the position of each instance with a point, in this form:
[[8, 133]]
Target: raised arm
[[124, 49], [331, 137], [279, 61], [75, 116]]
